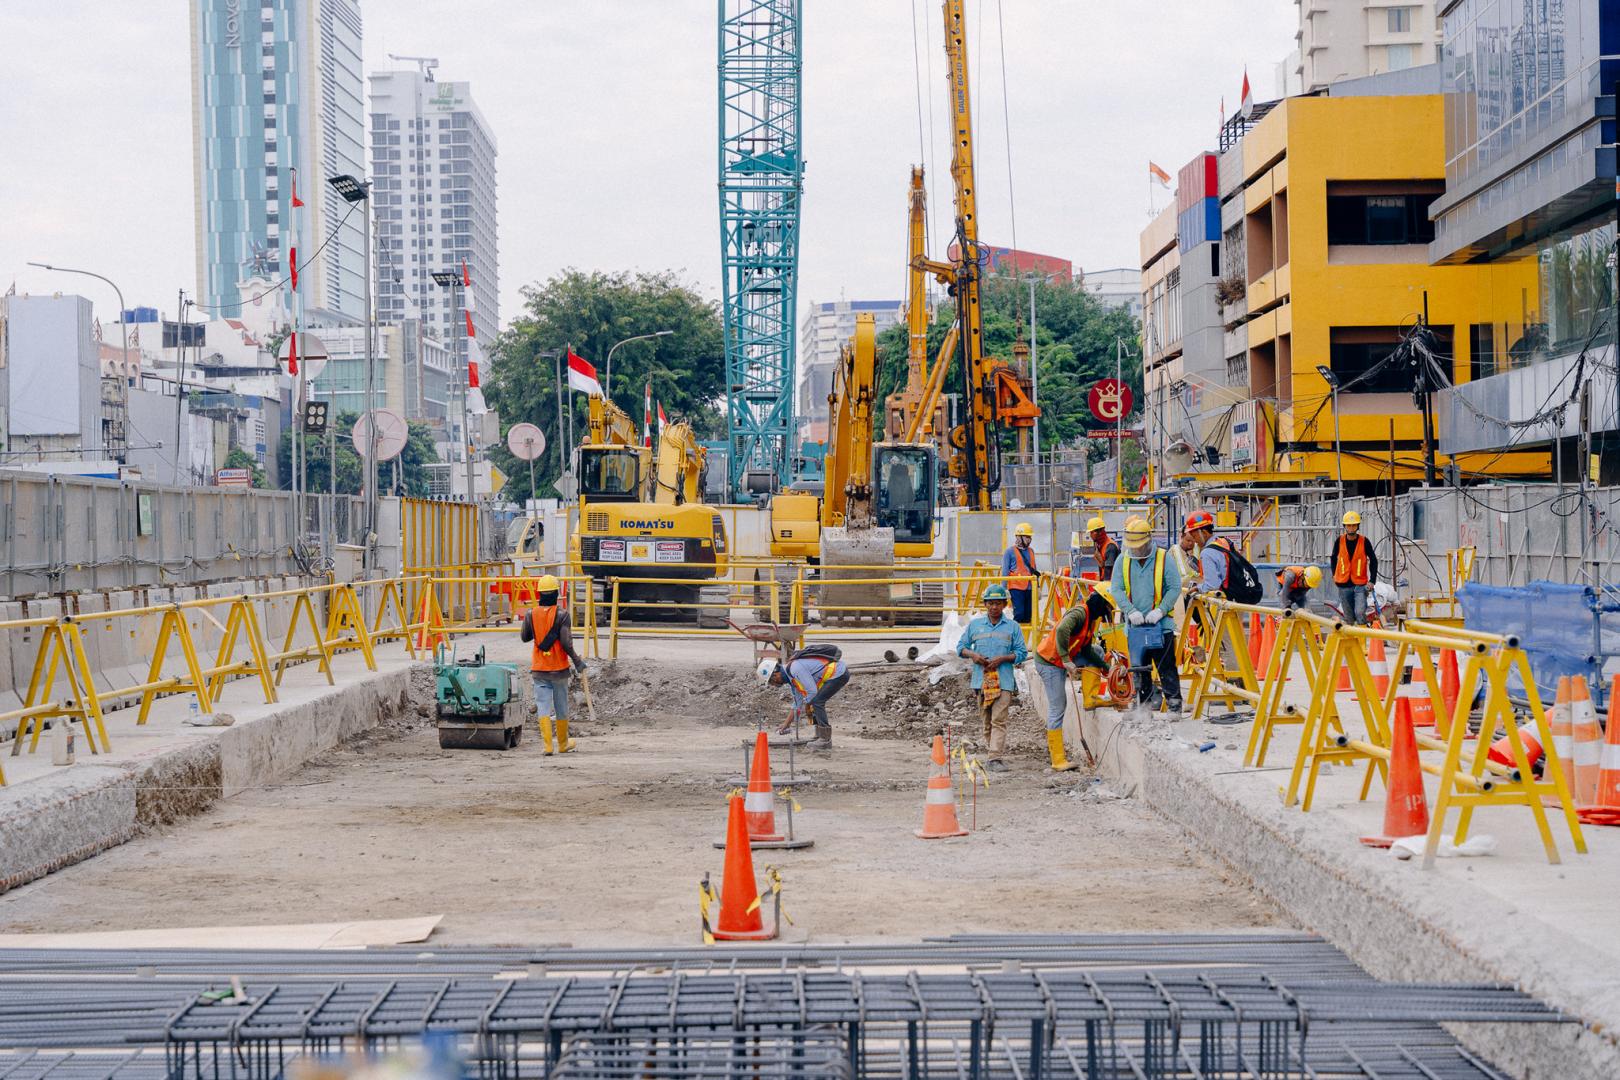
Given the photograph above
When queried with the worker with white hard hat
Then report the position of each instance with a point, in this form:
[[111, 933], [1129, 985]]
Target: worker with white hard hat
[[813, 674], [1355, 568], [547, 625], [1146, 585], [1019, 569]]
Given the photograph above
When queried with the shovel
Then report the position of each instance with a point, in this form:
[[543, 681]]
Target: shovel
[[1074, 696], [590, 706]]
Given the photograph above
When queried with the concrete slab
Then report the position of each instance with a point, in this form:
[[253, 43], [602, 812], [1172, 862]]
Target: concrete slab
[[166, 770], [1553, 930]]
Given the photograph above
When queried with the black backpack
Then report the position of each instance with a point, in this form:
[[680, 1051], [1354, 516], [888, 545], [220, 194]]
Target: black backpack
[[1242, 579], [818, 651]]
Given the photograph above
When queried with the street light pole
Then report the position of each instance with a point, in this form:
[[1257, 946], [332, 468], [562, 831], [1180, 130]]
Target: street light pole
[[354, 190], [450, 279], [1332, 379], [607, 375]]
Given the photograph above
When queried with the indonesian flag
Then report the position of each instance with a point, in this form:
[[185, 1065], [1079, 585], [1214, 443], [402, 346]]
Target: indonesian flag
[[661, 419], [292, 354], [475, 392], [296, 201], [647, 417], [1246, 105], [582, 376], [1159, 174], [292, 259]]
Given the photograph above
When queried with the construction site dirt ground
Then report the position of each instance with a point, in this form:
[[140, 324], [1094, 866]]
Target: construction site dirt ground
[[607, 845]]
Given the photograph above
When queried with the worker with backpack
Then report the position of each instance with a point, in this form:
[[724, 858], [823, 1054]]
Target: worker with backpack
[[1223, 569], [813, 674]]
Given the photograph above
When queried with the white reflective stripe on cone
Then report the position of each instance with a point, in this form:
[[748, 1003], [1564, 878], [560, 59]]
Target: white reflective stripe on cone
[[941, 796], [757, 802], [1564, 746], [1588, 752]]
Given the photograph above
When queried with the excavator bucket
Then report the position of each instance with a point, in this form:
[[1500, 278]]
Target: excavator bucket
[[856, 556]]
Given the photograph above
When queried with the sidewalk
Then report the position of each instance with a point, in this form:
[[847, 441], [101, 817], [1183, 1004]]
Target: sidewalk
[[1552, 930], [166, 770]]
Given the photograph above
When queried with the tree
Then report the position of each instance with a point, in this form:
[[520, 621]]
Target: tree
[[1075, 345], [239, 458], [351, 467], [590, 312]]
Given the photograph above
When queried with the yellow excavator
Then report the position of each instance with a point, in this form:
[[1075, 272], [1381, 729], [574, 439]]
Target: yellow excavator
[[641, 515]]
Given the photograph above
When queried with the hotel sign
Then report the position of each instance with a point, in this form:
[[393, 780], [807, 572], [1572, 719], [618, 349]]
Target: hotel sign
[[233, 24]]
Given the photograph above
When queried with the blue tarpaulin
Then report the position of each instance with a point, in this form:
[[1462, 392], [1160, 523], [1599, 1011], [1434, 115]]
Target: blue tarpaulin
[[1557, 625]]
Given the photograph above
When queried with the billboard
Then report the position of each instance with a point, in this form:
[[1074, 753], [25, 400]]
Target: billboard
[[1005, 260]]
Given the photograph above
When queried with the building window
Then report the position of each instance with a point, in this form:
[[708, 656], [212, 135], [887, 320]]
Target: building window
[[1482, 351], [1360, 357], [1380, 219], [1399, 57], [1400, 21]]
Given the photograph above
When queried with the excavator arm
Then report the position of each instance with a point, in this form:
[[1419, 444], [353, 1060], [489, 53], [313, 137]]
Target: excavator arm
[[609, 424], [678, 466]]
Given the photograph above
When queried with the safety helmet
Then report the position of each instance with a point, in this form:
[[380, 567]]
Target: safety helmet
[[765, 670], [1352, 518], [1138, 526], [547, 583], [1096, 523], [997, 591], [1105, 589], [1200, 519], [1025, 529], [1313, 576]]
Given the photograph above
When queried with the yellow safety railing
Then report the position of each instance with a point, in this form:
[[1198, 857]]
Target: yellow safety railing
[[1467, 778], [516, 594]]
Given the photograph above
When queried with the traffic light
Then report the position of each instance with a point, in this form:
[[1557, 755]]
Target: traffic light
[[315, 417]]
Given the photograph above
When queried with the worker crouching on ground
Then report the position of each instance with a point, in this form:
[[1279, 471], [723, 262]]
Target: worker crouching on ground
[[1296, 583], [814, 675], [1065, 649], [995, 644], [1355, 568], [547, 626], [1018, 567], [1146, 585]]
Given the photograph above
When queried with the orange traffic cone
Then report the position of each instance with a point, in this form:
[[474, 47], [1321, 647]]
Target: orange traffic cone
[[1345, 685], [1605, 809], [939, 809], [759, 805], [1378, 664], [1501, 750], [1406, 812], [1450, 684], [1563, 734], [1422, 704], [1588, 742], [1268, 645], [1256, 640], [740, 904]]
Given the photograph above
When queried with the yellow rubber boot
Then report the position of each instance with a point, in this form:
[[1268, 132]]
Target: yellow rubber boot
[[1054, 745], [564, 743], [545, 735]]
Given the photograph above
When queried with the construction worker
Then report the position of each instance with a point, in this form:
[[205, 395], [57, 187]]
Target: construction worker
[[995, 645], [1186, 555], [1104, 549], [1018, 567], [1146, 585], [1296, 583], [813, 676], [547, 626], [1355, 568], [1065, 649]]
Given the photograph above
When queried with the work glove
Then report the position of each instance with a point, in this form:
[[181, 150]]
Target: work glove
[[1155, 616], [1135, 618], [579, 666]]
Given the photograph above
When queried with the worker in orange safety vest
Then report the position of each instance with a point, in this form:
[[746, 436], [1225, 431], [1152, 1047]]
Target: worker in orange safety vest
[[550, 666]]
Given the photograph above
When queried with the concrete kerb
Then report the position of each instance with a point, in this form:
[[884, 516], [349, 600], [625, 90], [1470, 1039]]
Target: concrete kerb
[[1397, 921], [52, 817]]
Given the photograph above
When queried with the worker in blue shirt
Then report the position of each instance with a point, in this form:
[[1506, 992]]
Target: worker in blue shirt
[[995, 645], [1018, 567], [813, 676], [1146, 585]]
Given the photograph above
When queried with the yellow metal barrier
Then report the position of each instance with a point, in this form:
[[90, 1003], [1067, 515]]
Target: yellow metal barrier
[[1227, 673]]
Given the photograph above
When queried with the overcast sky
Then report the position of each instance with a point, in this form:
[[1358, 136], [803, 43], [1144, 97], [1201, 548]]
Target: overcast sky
[[605, 113]]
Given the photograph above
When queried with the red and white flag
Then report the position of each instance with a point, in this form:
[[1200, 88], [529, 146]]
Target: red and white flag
[[475, 391], [292, 261], [1246, 105], [1159, 174], [582, 375], [647, 417], [296, 201], [292, 354], [661, 419]]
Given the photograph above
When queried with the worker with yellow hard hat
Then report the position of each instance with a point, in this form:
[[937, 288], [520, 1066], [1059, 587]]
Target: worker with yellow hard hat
[[1146, 585], [995, 645], [1104, 549], [1355, 568], [1067, 648], [1019, 569], [546, 624], [1296, 583]]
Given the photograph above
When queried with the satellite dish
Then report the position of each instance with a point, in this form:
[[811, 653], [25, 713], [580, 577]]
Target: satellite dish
[[312, 354], [526, 442], [392, 433]]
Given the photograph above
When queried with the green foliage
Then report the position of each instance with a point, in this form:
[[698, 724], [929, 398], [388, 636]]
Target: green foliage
[[1075, 344], [418, 452], [589, 312], [239, 458]]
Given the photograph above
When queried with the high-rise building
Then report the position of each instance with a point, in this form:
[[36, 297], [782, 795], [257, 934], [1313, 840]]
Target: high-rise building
[[433, 164], [276, 86], [1347, 39], [824, 331]]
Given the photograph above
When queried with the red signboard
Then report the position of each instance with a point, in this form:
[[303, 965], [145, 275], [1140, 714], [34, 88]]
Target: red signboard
[[1110, 400]]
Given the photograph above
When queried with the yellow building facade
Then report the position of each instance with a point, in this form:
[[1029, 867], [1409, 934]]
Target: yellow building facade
[[1336, 194]]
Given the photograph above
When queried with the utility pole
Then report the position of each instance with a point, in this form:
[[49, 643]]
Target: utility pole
[[179, 381], [1035, 383], [1425, 387]]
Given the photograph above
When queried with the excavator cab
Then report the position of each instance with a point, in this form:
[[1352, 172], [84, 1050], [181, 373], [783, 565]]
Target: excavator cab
[[610, 474], [906, 495]]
